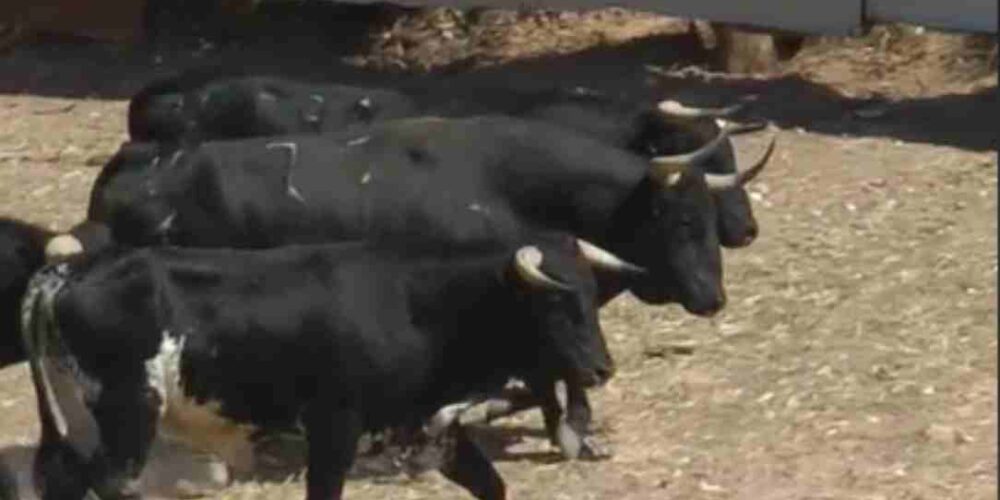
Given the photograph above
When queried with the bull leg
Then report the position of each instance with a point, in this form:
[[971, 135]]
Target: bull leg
[[332, 434], [578, 417], [573, 442], [469, 467], [511, 401], [560, 433], [578, 412], [127, 417]]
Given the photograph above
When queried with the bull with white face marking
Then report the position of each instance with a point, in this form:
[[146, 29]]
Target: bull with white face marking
[[211, 344], [193, 107]]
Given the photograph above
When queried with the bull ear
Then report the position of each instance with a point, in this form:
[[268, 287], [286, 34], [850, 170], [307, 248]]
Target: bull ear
[[528, 262]]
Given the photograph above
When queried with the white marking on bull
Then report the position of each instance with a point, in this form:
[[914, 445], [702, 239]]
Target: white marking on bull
[[318, 98], [365, 103], [359, 141], [293, 153], [164, 226], [365, 179], [198, 425], [150, 185], [294, 193], [267, 96], [570, 443], [62, 247], [446, 416], [476, 207], [293, 150], [175, 158]]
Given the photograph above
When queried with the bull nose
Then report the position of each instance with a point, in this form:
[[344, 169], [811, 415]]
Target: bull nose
[[750, 235], [604, 374], [710, 307]]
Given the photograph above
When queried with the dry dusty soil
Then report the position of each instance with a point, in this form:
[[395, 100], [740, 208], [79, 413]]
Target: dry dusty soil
[[857, 356]]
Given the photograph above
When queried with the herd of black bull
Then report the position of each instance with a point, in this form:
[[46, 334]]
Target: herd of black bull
[[267, 254]]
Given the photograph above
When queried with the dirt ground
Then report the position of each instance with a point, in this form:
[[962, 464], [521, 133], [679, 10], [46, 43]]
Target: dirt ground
[[857, 356]]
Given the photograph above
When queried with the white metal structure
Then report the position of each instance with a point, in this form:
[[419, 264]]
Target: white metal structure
[[838, 17]]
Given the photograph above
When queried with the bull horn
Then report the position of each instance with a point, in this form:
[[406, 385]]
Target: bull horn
[[62, 247], [675, 109], [717, 182], [671, 108], [699, 154], [603, 259], [527, 262], [737, 128]]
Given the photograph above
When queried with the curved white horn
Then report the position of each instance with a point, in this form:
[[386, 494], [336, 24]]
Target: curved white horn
[[717, 182], [699, 154], [743, 128], [672, 108], [527, 262], [675, 109], [61, 247], [603, 259]]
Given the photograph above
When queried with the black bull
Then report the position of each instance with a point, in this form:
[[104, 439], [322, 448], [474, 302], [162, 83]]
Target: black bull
[[342, 338], [417, 180], [208, 105]]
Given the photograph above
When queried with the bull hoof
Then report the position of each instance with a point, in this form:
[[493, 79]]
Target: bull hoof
[[570, 443], [594, 449], [575, 446]]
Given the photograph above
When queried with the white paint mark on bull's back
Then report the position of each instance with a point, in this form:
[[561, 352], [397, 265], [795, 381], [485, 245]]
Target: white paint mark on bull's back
[[166, 224], [150, 181], [200, 426], [293, 158], [359, 141], [176, 158]]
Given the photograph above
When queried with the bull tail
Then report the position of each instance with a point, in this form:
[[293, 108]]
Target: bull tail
[[38, 327]]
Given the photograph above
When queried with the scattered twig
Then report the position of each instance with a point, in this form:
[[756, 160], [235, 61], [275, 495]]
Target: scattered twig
[[66, 108]]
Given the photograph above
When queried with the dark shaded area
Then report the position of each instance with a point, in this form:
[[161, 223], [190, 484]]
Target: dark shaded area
[[311, 41]]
